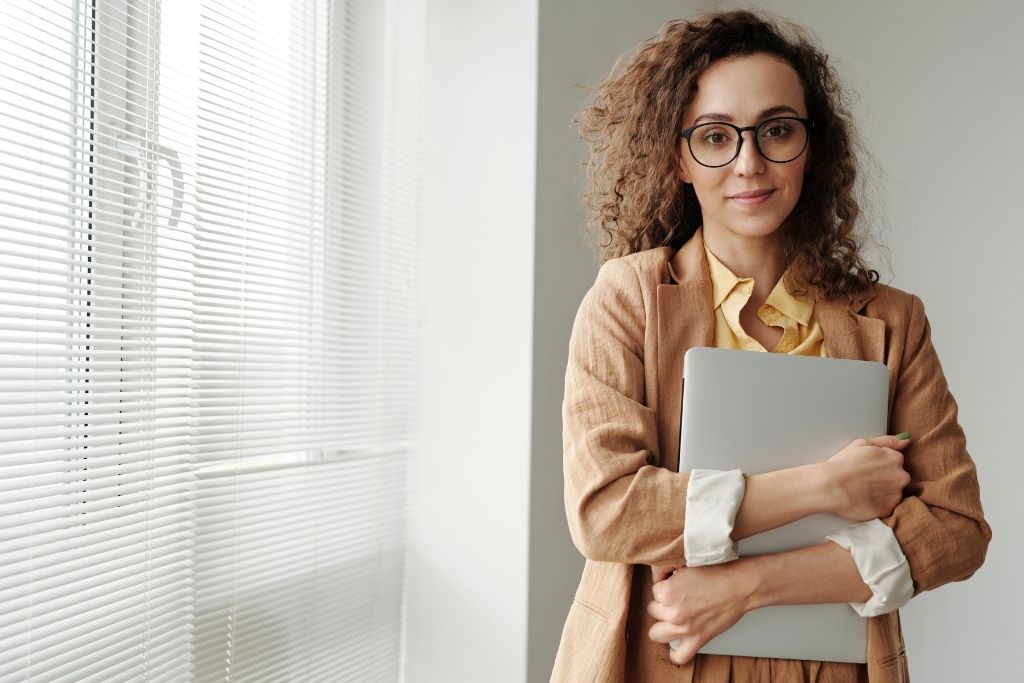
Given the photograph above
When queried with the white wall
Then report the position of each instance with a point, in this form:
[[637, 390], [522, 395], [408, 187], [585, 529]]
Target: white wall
[[469, 511], [939, 100]]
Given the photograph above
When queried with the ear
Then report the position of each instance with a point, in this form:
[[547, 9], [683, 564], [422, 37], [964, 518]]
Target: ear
[[684, 173]]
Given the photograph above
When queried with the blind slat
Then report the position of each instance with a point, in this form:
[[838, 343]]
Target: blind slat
[[208, 332]]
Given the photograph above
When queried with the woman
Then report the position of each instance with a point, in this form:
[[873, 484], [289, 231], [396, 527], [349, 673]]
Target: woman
[[723, 180]]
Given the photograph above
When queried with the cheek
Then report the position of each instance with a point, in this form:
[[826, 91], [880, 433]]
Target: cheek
[[703, 179], [701, 189], [796, 177], [711, 203], [798, 181]]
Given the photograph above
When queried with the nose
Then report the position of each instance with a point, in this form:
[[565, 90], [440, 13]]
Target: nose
[[749, 161]]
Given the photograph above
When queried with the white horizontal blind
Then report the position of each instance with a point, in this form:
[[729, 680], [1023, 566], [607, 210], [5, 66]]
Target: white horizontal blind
[[96, 477], [207, 326]]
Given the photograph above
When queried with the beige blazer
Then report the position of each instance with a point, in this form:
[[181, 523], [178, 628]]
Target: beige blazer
[[625, 501]]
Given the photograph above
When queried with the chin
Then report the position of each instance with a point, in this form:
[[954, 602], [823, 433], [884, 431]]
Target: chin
[[760, 228]]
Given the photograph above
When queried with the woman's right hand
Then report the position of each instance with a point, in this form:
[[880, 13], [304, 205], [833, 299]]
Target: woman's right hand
[[866, 479]]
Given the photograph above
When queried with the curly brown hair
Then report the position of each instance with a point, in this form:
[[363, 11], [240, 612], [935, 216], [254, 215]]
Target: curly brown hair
[[638, 201]]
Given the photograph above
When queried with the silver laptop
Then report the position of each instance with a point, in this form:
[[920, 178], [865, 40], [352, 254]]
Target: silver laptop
[[760, 412]]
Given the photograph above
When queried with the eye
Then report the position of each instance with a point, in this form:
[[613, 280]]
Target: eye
[[715, 135], [777, 130]]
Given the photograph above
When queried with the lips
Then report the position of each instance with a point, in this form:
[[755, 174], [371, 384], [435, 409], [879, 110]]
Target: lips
[[751, 197], [751, 194]]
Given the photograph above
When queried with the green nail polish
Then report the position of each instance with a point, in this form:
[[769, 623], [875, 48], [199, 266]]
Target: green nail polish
[[903, 435]]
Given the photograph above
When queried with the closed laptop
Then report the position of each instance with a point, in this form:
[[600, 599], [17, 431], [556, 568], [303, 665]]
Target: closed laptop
[[760, 412]]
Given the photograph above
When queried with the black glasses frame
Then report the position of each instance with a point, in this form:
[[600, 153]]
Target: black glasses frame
[[686, 132]]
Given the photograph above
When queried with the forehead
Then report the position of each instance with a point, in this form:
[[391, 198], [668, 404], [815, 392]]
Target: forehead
[[741, 87]]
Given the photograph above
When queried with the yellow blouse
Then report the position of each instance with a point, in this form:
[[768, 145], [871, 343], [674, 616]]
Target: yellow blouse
[[801, 333]]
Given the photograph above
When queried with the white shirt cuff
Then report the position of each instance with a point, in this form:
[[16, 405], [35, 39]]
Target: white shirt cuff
[[712, 500], [881, 564]]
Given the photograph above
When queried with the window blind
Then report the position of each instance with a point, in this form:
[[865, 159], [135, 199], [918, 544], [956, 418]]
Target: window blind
[[208, 337]]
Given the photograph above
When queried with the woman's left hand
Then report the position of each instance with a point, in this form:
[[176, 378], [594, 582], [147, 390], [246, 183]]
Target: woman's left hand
[[695, 604]]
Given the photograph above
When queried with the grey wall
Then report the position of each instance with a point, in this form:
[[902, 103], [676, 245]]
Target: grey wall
[[939, 101]]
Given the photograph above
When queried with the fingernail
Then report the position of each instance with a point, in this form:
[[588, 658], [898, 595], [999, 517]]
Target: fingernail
[[903, 435]]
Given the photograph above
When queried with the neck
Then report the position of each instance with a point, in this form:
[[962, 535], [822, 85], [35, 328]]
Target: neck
[[756, 257]]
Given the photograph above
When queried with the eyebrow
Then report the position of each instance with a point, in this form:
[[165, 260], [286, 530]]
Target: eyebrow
[[773, 111]]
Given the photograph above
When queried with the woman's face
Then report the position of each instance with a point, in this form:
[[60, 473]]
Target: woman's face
[[750, 196]]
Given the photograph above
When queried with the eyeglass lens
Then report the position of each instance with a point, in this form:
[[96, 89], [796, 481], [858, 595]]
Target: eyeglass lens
[[779, 140]]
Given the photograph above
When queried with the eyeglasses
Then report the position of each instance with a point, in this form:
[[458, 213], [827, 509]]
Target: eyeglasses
[[778, 140]]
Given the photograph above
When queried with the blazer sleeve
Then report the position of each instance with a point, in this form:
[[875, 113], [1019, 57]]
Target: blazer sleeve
[[939, 524], [620, 507]]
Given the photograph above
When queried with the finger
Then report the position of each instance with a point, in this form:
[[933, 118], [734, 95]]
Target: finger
[[663, 591], [891, 456], [660, 612], [659, 590], [900, 441], [685, 651], [888, 441], [662, 572], [664, 632]]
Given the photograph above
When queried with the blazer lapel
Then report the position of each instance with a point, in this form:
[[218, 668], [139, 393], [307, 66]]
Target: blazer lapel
[[851, 336], [685, 320], [854, 336]]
